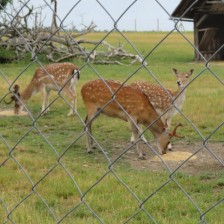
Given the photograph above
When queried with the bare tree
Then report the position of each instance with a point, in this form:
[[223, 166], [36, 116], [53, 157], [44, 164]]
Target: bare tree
[[54, 25], [17, 35]]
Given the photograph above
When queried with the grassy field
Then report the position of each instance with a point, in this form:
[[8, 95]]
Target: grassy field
[[46, 176]]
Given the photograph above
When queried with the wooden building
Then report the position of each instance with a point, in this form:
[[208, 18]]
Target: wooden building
[[208, 19]]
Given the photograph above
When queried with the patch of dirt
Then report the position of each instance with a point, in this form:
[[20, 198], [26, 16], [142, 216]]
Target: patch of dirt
[[11, 113], [191, 158]]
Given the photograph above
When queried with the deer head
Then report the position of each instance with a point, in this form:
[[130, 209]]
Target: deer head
[[182, 78], [16, 98]]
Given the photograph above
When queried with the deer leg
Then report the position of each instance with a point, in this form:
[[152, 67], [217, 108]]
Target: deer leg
[[132, 137], [72, 95], [169, 147], [91, 115], [142, 136], [167, 121], [88, 128], [18, 107], [45, 103], [135, 135], [47, 107]]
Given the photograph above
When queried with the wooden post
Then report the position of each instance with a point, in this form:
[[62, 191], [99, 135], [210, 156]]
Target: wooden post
[[196, 54]]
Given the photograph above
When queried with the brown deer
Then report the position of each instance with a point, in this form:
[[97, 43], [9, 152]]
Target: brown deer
[[166, 103], [127, 103], [56, 76]]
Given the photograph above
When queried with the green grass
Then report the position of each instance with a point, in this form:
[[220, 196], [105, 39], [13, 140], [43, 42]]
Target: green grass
[[58, 175]]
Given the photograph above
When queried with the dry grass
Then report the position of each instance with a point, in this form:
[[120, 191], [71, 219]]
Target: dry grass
[[12, 113], [175, 156]]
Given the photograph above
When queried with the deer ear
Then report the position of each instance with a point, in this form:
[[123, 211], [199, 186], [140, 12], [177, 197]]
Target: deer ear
[[175, 71], [191, 71]]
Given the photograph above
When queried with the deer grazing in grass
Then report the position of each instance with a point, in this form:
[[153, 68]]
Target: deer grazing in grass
[[127, 103], [56, 76], [163, 100]]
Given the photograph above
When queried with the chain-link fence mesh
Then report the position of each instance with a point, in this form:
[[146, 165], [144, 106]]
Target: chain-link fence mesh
[[46, 174]]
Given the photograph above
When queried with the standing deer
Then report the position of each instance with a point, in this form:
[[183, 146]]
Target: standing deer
[[163, 100], [56, 76], [127, 103]]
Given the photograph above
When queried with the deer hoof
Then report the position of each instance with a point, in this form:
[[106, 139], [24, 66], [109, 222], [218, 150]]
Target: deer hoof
[[144, 140], [71, 114], [142, 157], [43, 113], [89, 151]]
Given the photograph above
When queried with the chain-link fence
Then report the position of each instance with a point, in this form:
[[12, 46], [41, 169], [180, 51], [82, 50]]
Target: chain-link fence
[[46, 176]]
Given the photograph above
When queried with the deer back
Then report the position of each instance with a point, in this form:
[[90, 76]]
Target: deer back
[[56, 73], [117, 100], [159, 98]]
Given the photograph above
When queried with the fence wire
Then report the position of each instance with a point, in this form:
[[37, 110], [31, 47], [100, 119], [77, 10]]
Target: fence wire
[[27, 187]]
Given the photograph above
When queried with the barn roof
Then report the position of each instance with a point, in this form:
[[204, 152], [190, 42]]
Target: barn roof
[[187, 8]]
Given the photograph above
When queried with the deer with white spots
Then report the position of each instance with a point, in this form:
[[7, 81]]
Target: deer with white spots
[[126, 103], [166, 103], [57, 77]]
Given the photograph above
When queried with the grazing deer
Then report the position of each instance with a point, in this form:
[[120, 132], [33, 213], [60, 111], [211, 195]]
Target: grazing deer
[[127, 103], [163, 100], [56, 76]]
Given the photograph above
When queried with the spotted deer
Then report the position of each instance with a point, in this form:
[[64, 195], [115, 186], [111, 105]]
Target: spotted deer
[[56, 76], [166, 103], [126, 103]]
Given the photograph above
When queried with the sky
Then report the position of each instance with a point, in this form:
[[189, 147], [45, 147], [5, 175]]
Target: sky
[[143, 15]]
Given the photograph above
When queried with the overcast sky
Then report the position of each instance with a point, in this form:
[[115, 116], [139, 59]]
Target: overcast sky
[[143, 15]]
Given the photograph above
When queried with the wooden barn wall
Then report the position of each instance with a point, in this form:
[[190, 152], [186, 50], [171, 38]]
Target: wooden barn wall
[[209, 36]]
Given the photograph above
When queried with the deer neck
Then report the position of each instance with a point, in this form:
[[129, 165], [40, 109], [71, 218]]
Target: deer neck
[[179, 97], [153, 122], [157, 128], [28, 92]]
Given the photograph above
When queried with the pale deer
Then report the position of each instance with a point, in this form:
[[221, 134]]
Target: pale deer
[[166, 102], [56, 76], [127, 103]]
